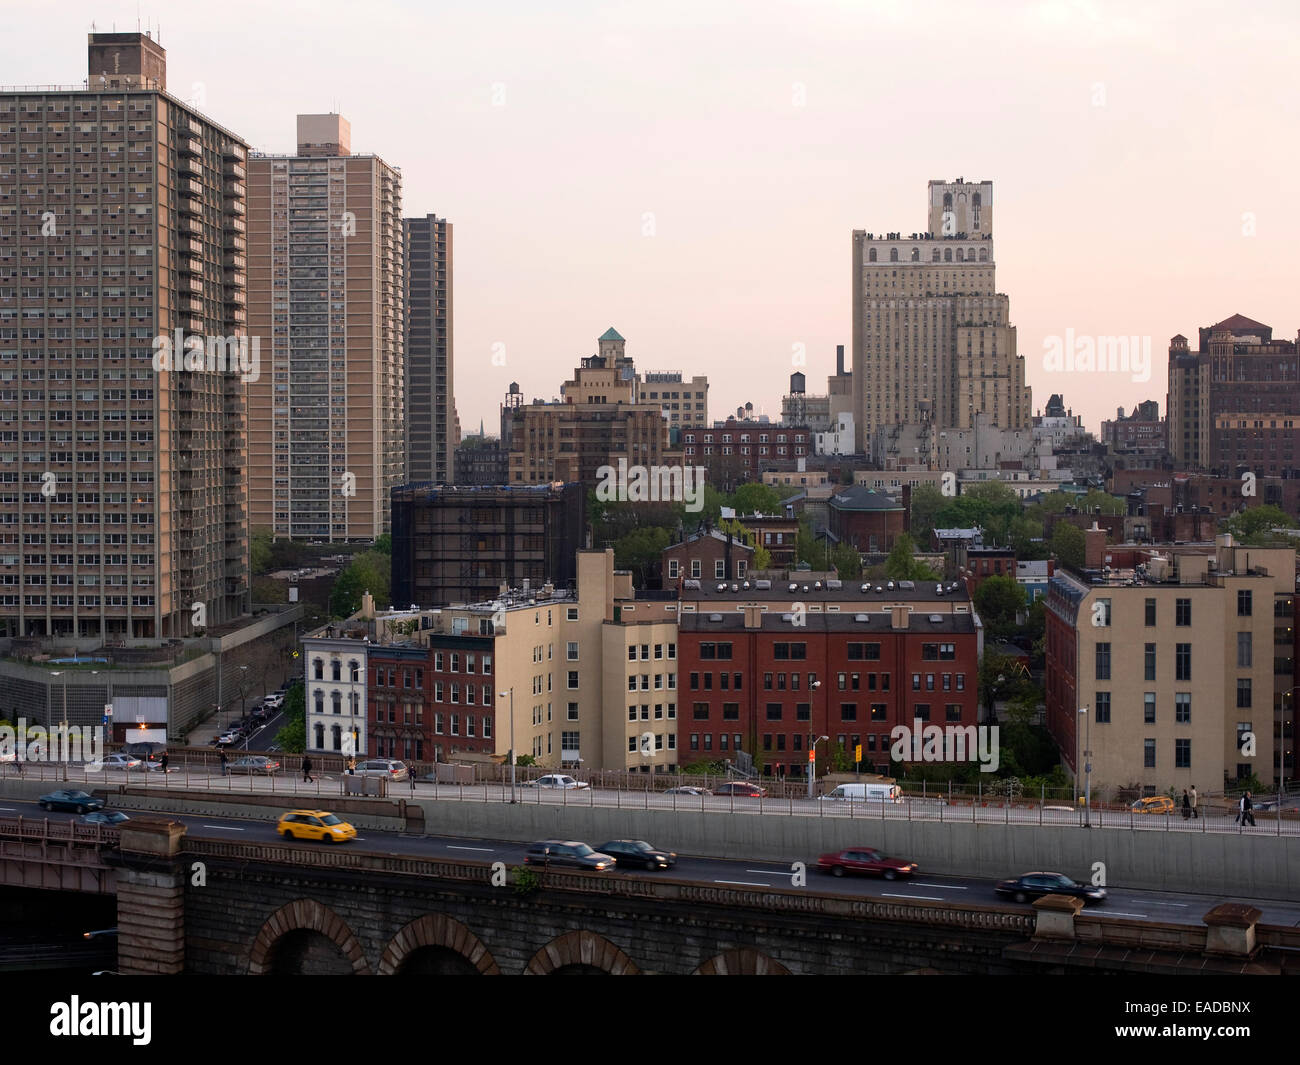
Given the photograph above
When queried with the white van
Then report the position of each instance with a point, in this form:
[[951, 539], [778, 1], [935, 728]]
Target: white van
[[866, 792]]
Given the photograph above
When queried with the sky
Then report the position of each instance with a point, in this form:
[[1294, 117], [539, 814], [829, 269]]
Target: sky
[[691, 171]]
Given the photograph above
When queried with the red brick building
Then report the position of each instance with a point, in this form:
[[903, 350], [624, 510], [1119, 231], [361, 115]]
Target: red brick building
[[737, 452], [981, 563], [865, 518], [709, 555], [767, 672]]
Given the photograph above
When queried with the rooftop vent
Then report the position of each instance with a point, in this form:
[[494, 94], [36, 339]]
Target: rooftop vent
[[736, 587], [745, 586], [832, 583], [936, 619], [691, 583], [817, 585], [715, 617], [890, 586], [793, 588], [788, 617], [908, 585], [763, 585], [879, 589], [938, 589], [861, 617], [865, 588], [805, 587], [722, 587]]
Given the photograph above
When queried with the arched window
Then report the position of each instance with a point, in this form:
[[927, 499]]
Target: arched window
[[354, 703], [916, 255], [984, 255], [320, 737], [319, 699], [337, 734], [959, 255], [975, 201], [336, 670], [947, 255], [319, 673], [354, 667], [893, 255], [947, 201], [934, 255], [336, 701], [871, 255]]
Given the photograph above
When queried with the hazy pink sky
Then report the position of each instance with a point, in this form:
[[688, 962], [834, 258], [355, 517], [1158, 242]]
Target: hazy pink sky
[[1125, 142]]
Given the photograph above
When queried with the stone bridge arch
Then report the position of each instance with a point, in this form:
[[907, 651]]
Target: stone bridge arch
[[440, 931], [581, 951], [743, 961], [305, 915]]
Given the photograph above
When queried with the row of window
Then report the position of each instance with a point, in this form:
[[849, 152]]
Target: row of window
[[803, 712]]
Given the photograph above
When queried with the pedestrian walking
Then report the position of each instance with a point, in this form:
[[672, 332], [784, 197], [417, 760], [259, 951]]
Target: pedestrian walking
[[1196, 813], [1187, 805], [1246, 808], [18, 763], [307, 778], [352, 766], [163, 762], [410, 775], [225, 764]]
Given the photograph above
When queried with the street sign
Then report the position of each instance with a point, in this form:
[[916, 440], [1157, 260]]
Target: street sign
[[857, 753]]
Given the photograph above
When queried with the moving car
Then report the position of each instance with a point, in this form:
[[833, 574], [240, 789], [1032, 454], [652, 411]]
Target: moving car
[[741, 787], [314, 824], [1032, 886], [865, 860], [558, 780], [568, 852], [71, 799], [254, 763], [637, 854], [687, 790], [274, 701], [110, 818], [383, 767], [863, 792], [118, 760], [1153, 804]]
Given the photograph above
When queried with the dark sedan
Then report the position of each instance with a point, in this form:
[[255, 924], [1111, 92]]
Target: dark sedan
[[568, 852], [109, 818], [743, 788], [637, 854], [865, 860], [1033, 886], [69, 799]]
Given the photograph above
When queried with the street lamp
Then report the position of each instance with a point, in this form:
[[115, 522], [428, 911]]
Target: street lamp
[[501, 695], [1281, 757], [1087, 770], [243, 689], [812, 743], [63, 746]]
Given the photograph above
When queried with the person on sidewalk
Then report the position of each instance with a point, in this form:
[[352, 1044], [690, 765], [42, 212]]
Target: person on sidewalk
[[163, 762], [1246, 808], [1196, 813], [1187, 805], [225, 764], [307, 778], [410, 775]]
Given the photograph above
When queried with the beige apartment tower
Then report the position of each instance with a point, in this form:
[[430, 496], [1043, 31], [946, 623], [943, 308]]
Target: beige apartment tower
[[932, 340], [325, 270], [121, 239]]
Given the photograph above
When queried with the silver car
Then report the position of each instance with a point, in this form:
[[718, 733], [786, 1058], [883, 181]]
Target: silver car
[[255, 763], [383, 767]]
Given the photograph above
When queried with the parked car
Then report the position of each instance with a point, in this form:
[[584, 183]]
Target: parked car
[[637, 854], [865, 860], [109, 818], [274, 701], [742, 788], [314, 824], [558, 780], [254, 763], [227, 739], [568, 852], [383, 767], [688, 790], [1153, 804], [1032, 886], [71, 799], [118, 760]]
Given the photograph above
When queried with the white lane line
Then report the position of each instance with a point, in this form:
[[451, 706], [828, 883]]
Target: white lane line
[[743, 883], [10, 809], [224, 828], [1116, 913], [928, 898], [1183, 905], [769, 872], [942, 887], [485, 850]]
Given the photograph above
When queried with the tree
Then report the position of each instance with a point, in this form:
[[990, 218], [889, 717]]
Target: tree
[[292, 737], [1000, 677], [367, 572], [999, 600], [260, 552], [847, 562], [1068, 544], [1254, 524], [756, 499], [639, 550], [927, 502], [902, 565], [384, 544], [762, 556]]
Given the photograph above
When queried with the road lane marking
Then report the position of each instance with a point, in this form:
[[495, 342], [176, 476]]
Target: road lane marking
[[743, 883], [224, 828], [10, 809], [941, 887], [1184, 905], [769, 872], [1116, 913], [485, 850], [927, 898]]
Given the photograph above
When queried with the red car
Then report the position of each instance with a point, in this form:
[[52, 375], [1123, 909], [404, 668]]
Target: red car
[[740, 787], [865, 860]]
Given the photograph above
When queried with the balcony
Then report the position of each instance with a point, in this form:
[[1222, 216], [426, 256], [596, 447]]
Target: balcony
[[234, 207], [190, 146]]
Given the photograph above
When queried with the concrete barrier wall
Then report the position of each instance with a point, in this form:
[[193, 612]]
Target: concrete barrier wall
[[1252, 864]]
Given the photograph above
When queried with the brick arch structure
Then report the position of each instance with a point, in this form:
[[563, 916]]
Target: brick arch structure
[[581, 948], [437, 930], [309, 915], [744, 961]]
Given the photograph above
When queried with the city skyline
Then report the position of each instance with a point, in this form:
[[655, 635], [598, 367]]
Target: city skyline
[[705, 134]]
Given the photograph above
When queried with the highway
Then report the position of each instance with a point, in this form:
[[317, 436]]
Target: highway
[[776, 876]]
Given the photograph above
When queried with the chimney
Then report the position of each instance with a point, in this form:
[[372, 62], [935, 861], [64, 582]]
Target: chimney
[[899, 617], [367, 605], [839, 360]]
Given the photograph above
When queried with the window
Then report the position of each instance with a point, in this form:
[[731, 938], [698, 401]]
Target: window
[[1101, 612], [1149, 663], [1149, 708], [1243, 693], [1150, 612], [1182, 612], [1103, 661], [720, 569], [916, 682], [952, 711], [674, 567], [1183, 707], [921, 711], [1244, 651], [803, 712], [1183, 661], [1243, 603], [572, 651], [1103, 708], [731, 712], [573, 712], [1149, 754], [1182, 754], [573, 679], [774, 711], [848, 711], [879, 712], [571, 613], [700, 711]]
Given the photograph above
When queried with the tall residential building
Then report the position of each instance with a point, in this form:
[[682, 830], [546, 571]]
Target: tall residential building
[[1234, 405], [121, 240], [683, 401], [430, 408], [325, 269], [931, 334]]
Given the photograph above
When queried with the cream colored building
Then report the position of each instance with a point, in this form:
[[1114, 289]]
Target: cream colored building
[[1175, 665]]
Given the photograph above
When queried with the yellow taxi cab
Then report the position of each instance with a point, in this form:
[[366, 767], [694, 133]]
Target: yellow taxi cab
[[1153, 804], [314, 824]]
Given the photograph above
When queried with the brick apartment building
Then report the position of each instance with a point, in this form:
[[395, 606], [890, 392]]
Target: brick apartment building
[[736, 452], [709, 554]]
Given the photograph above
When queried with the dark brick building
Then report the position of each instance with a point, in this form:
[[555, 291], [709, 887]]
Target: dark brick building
[[708, 555], [865, 518], [737, 452]]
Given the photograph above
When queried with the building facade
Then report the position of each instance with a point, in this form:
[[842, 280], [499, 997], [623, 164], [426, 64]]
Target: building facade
[[325, 269], [430, 380], [737, 452], [121, 260]]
